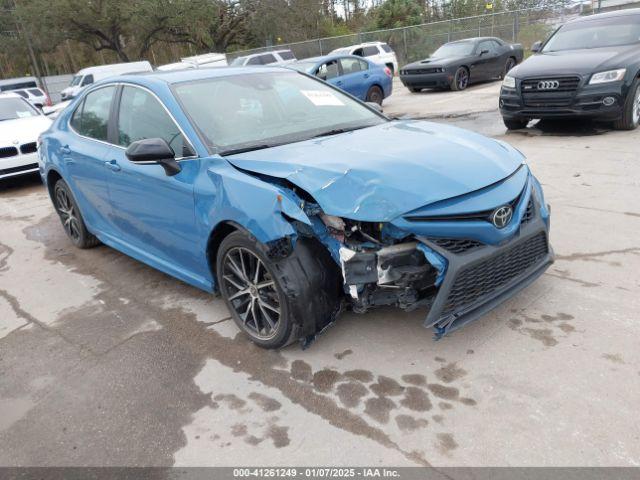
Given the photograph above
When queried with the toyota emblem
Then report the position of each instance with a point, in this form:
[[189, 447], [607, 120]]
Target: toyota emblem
[[548, 84], [501, 216]]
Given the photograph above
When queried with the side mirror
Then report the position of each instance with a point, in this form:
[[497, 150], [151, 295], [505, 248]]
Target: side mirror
[[151, 151], [536, 47], [484, 52], [375, 106]]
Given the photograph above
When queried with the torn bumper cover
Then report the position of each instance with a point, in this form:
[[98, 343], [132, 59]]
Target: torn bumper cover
[[458, 280]]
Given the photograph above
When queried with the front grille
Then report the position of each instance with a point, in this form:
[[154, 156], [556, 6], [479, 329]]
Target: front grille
[[565, 84], [6, 152], [22, 168], [423, 71], [456, 245], [485, 278], [28, 148], [529, 212], [561, 96]]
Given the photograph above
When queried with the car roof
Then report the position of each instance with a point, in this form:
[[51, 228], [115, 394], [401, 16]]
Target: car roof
[[265, 53], [615, 13], [10, 94], [326, 58], [190, 75]]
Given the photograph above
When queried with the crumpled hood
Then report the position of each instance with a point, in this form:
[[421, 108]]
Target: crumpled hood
[[585, 61], [22, 130], [378, 173]]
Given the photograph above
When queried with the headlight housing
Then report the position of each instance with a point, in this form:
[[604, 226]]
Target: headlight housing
[[608, 76], [509, 82]]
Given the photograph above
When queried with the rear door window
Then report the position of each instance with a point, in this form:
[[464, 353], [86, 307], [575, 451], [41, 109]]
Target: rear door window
[[287, 55], [91, 118], [22, 93], [267, 59], [36, 91], [370, 51], [352, 65], [386, 48], [254, 61]]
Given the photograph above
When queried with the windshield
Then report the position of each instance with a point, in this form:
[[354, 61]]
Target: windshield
[[457, 49], [75, 80], [12, 108], [237, 62], [250, 111], [606, 32]]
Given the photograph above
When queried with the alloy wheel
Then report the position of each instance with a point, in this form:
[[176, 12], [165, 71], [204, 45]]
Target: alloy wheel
[[68, 214], [251, 292], [462, 78], [636, 107]]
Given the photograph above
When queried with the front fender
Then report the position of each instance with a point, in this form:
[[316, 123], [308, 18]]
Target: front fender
[[263, 209]]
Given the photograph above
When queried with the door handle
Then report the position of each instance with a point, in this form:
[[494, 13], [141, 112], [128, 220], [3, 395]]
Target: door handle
[[113, 166], [366, 75], [339, 82], [65, 150]]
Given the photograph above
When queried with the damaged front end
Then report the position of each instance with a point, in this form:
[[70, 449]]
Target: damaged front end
[[380, 265]]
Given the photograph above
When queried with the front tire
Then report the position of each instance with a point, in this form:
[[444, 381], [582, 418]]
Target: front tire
[[276, 299], [71, 218], [415, 89], [460, 80], [511, 62], [630, 110], [515, 124], [375, 94]]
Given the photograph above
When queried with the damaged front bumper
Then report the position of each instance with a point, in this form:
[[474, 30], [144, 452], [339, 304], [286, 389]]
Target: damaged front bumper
[[458, 279]]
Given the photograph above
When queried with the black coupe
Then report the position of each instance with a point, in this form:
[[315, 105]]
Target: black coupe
[[457, 64]]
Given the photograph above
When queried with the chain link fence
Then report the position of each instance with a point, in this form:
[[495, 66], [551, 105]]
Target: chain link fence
[[416, 42]]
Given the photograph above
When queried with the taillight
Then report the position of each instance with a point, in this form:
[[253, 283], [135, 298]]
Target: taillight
[[47, 100], [387, 70]]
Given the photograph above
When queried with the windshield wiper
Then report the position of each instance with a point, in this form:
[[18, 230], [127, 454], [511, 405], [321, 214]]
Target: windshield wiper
[[336, 131], [251, 148]]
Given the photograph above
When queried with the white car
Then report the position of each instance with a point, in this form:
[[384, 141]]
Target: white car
[[20, 126], [53, 111], [36, 96], [90, 75], [275, 57], [378, 52]]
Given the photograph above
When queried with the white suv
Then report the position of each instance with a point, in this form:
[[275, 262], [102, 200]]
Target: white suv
[[276, 57], [34, 95], [378, 52]]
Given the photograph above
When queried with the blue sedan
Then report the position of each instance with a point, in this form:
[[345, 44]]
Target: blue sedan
[[358, 76], [294, 200]]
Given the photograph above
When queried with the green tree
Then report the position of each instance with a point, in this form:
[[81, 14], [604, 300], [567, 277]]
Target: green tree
[[398, 13]]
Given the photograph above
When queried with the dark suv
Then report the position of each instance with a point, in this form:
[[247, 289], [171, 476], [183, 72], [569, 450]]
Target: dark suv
[[589, 67]]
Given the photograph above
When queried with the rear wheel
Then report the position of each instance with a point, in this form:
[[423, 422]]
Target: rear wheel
[[461, 79], [415, 89], [511, 62], [515, 124], [375, 95], [631, 109], [70, 216]]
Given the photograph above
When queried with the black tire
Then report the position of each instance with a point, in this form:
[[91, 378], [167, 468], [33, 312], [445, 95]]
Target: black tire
[[631, 109], [415, 89], [460, 79], [71, 218], [375, 94], [510, 63], [299, 294], [515, 124]]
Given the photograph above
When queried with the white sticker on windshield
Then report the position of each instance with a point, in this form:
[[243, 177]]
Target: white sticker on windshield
[[322, 98]]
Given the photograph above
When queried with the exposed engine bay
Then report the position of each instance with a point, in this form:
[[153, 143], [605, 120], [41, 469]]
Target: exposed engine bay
[[379, 265]]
